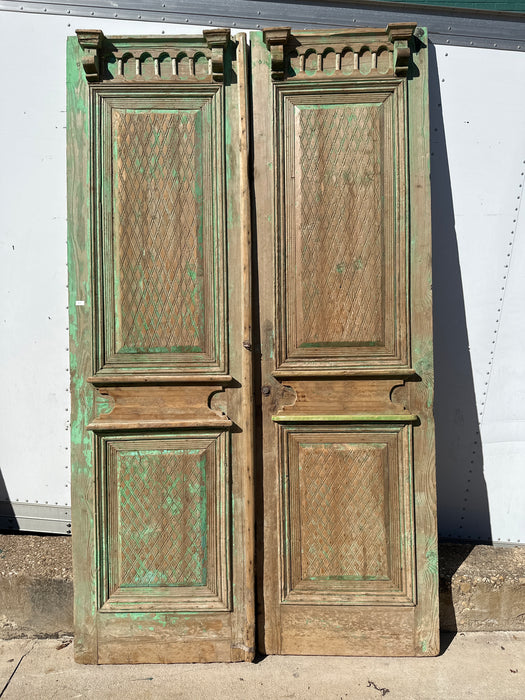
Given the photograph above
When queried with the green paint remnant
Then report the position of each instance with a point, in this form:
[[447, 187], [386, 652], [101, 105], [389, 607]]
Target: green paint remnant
[[432, 561], [103, 404], [424, 646], [191, 272], [340, 267], [328, 555], [358, 264], [341, 344], [136, 349], [347, 418]]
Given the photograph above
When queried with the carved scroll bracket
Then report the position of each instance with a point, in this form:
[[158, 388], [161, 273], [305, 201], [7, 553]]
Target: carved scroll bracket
[[276, 39], [400, 34], [91, 41], [217, 40]]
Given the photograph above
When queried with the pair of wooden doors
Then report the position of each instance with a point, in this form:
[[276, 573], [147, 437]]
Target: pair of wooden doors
[[251, 350]]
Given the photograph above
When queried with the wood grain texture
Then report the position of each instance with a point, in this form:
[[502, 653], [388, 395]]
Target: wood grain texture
[[421, 394], [344, 631], [154, 59], [338, 54], [243, 627], [269, 530], [164, 637], [135, 406], [81, 363]]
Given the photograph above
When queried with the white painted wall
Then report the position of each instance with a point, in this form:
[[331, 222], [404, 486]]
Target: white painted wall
[[481, 124], [478, 160]]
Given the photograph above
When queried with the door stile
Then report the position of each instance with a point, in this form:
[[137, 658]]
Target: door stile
[[268, 532], [421, 393], [81, 339], [243, 536]]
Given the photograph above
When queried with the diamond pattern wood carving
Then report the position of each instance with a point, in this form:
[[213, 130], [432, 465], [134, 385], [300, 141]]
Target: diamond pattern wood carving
[[338, 177], [163, 524], [343, 529], [158, 183]]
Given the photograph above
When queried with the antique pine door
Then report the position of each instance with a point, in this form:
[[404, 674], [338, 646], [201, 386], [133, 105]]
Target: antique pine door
[[168, 433], [347, 559], [158, 212]]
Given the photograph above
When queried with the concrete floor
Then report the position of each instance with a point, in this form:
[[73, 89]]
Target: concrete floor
[[480, 665]]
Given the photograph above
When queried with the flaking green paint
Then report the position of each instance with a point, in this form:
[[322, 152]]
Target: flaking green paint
[[432, 561], [342, 344], [135, 476]]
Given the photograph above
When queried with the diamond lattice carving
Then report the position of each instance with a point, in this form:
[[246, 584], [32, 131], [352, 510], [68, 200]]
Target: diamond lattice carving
[[162, 513], [342, 511], [340, 253], [157, 186]]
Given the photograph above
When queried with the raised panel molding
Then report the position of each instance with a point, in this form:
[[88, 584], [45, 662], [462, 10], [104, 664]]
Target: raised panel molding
[[347, 516], [163, 522], [342, 225], [159, 230]]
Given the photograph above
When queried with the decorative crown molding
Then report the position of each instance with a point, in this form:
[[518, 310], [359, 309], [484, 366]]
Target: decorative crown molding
[[217, 40], [377, 53], [91, 41], [154, 58], [400, 34], [275, 39]]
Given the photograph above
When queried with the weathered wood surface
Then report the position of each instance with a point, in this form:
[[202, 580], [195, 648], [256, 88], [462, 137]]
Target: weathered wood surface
[[168, 438], [342, 206], [421, 394], [80, 252]]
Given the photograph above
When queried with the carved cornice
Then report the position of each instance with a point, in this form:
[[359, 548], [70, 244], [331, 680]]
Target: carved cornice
[[276, 39], [333, 54], [139, 59], [91, 42], [218, 40], [400, 35]]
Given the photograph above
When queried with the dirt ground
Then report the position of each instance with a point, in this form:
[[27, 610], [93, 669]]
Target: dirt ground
[[46, 557]]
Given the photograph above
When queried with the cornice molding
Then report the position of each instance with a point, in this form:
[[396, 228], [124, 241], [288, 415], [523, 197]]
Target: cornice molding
[[331, 54], [139, 59]]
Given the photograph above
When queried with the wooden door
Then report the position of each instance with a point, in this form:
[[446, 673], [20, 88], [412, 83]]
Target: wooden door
[[160, 348], [347, 545], [163, 400]]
